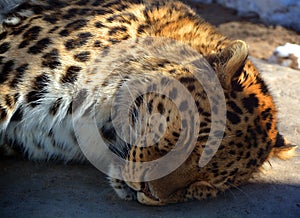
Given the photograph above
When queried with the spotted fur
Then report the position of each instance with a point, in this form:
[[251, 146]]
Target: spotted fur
[[44, 57]]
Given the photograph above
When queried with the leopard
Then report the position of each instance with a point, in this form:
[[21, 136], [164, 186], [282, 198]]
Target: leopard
[[66, 60]]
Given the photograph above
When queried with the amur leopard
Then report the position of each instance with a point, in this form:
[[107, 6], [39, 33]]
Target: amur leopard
[[63, 59]]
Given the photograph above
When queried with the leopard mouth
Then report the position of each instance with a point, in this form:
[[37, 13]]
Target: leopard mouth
[[145, 189]]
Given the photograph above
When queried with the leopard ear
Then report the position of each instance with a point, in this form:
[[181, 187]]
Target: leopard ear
[[283, 149], [229, 61]]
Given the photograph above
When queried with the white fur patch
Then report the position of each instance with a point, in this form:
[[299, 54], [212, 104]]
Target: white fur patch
[[12, 21]]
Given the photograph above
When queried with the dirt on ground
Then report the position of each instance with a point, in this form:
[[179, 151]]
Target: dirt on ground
[[261, 38]]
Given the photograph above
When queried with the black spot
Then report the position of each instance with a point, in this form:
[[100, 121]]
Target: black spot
[[3, 35], [71, 13], [247, 154], [233, 172], [53, 29], [150, 106], [19, 30], [70, 108], [17, 115], [114, 41], [55, 106], [84, 11], [206, 114], [175, 134], [99, 24], [173, 71], [187, 80], [232, 152], [142, 28], [116, 30], [38, 90], [252, 162], [29, 36], [263, 86], [183, 106], [6, 70], [238, 133], [32, 33], [250, 103], [134, 114], [82, 56], [50, 18], [216, 172], [233, 118], [111, 4], [9, 101], [269, 126], [202, 138], [51, 59], [75, 25], [161, 108], [64, 32], [39, 46], [103, 11], [82, 2], [173, 93], [224, 173], [3, 113], [266, 113], [19, 75], [191, 88], [234, 107], [80, 41], [98, 2], [204, 130], [230, 164], [16, 96], [58, 4], [24, 44], [4, 47], [71, 74], [261, 153], [138, 101], [35, 18], [163, 63]]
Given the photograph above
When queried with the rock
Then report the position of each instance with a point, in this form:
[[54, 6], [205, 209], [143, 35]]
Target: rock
[[287, 55], [276, 12]]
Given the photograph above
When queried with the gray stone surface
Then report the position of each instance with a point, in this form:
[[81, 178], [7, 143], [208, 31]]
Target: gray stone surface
[[276, 12], [30, 189]]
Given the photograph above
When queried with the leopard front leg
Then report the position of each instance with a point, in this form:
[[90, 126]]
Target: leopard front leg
[[201, 190], [120, 186]]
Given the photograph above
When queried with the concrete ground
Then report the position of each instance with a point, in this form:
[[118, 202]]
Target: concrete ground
[[30, 189]]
